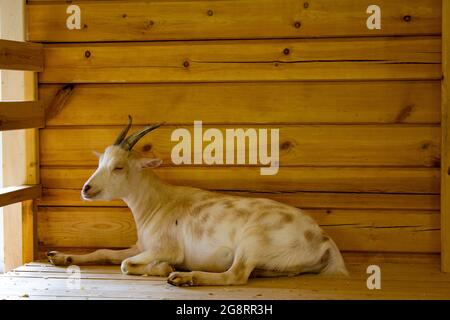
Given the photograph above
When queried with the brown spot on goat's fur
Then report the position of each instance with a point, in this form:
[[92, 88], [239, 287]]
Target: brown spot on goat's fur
[[202, 206], [286, 217], [228, 204], [309, 235], [262, 215], [242, 213]]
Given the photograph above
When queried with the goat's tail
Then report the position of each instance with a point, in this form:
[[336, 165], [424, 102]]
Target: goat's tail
[[335, 264]]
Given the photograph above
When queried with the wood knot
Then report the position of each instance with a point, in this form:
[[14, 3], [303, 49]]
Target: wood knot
[[328, 211], [407, 18], [286, 51], [297, 24], [448, 171], [149, 24], [306, 5], [186, 64], [210, 13], [286, 145], [124, 15], [85, 26], [404, 113], [87, 53], [147, 148], [425, 146]]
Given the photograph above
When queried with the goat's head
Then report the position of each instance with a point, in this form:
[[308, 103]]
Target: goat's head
[[117, 166]]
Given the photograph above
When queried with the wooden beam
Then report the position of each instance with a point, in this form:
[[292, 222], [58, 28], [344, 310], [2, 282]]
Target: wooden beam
[[21, 115], [400, 58], [20, 152], [10, 195], [445, 180], [17, 55], [231, 19]]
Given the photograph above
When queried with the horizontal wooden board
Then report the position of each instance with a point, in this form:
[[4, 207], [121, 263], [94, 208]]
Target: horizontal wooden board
[[21, 115], [323, 200], [404, 276], [328, 145], [170, 20], [318, 59], [282, 102], [10, 195], [327, 179], [17, 55], [353, 230]]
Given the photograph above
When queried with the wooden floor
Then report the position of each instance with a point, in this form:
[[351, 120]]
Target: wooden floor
[[402, 277]]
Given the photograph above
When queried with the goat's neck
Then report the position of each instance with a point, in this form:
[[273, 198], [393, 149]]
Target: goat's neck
[[146, 197]]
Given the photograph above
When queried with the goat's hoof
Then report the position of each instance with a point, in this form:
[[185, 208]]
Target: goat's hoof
[[59, 259], [126, 267], [181, 279]]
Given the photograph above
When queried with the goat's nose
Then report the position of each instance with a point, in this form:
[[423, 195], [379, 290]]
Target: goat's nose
[[86, 188]]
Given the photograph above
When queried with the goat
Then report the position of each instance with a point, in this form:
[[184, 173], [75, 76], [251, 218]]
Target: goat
[[198, 237]]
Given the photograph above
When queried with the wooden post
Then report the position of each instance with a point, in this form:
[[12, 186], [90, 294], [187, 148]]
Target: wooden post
[[445, 171], [20, 151]]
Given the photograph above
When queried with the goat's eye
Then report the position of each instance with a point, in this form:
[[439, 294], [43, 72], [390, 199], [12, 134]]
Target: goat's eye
[[117, 168]]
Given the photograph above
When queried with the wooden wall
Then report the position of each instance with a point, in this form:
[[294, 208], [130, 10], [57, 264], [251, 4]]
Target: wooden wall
[[358, 109]]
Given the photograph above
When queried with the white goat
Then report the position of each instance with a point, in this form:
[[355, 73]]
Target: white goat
[[216, 239]]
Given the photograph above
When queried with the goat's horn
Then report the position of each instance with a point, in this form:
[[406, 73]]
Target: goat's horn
[[129, 142], [124, 132]]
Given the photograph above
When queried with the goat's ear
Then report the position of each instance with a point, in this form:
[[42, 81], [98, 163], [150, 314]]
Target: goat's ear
[[149, 163], [97, 154]]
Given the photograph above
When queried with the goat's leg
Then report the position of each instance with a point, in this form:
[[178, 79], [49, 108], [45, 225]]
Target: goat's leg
[[150, 262], [102, 256], [237, 274], [156, 268]]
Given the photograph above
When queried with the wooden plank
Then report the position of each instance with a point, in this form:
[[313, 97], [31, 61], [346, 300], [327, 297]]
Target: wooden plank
[[326, 179], [445, 187], [353, 230], [186, 20], [282, 102], [21, 115], [18, 162], [10, 195], [323, 200], [309, 145], [17, 55], [216, 61], [413, 276]]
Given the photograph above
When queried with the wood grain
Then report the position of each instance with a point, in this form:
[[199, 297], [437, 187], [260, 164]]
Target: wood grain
[[215, 61], [277, 102], [322, 200], [405, 276], [327, 179], [445, 182], [353, 230], [17, 55], [20, 115], [10, 195], [241, 19], [299, 145]]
